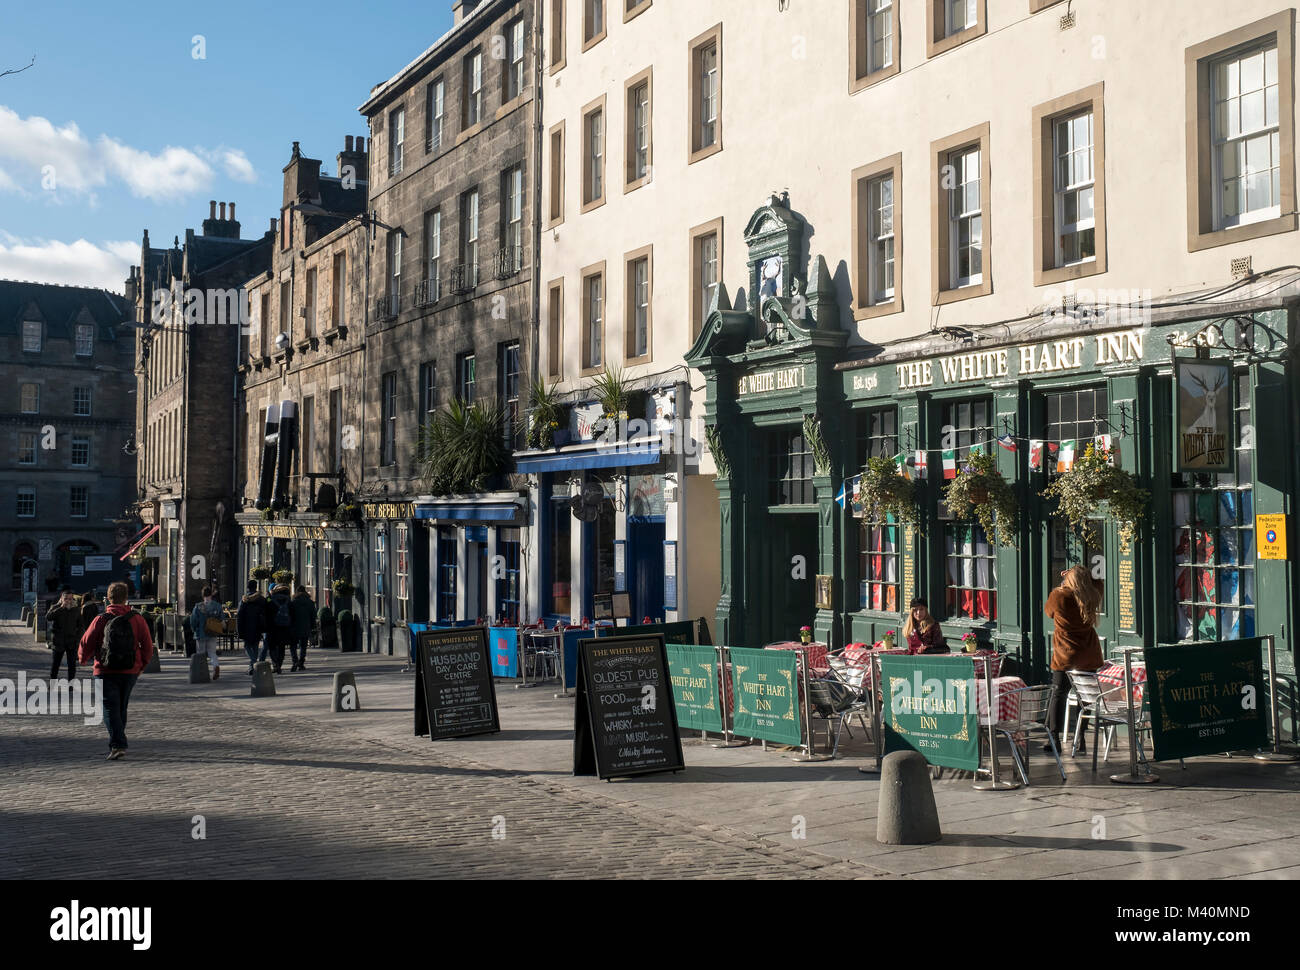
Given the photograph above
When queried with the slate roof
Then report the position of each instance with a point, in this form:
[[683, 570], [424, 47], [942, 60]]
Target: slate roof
[[59, 307]]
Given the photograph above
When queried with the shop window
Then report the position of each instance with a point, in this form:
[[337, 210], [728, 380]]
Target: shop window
[[1214, 544], [561, 555], [1077, 416], [381, 574], [970, 565], [790, 468], [971, 576], [878, 538], [878, 565], [446, 573], [605, 535], [327, 573], [508, 546], [401, 573]]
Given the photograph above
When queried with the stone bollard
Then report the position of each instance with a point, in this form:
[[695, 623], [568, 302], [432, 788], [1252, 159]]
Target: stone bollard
[[907, 813], [199, 669], [154, 666], [345, 696], [263, 679]]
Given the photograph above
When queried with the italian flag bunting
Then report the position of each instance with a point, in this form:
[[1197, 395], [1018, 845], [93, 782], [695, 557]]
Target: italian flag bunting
[[950, 464]]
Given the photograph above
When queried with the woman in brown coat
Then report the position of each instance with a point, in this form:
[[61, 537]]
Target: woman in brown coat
[[1073, 607]]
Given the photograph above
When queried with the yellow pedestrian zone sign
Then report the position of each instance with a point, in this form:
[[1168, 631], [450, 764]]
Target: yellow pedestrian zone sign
[[1270, 534]]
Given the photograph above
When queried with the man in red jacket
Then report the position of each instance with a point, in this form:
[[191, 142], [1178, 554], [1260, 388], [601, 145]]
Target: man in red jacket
[[117, 682]]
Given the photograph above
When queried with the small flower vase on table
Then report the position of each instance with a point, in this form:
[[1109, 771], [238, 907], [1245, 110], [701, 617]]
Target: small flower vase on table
[[970, 643], [888, 641], [805, 634]]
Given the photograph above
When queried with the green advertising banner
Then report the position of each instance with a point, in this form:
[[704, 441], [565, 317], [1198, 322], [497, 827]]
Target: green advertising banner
[[693, 671], [764, 686], [1207, 698], [929, 707]]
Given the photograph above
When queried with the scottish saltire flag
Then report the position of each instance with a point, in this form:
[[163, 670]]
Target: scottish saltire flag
[[842, 498], [1065, 457], [900, 460], [950, 464], [1006, 442], [848, 489], [922, 469], [1035, 454]]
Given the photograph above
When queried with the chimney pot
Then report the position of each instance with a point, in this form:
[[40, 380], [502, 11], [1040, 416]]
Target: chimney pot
[[273, 223], [361, 143], [212, 209], [223, 212], [232, 212], [347, 143]]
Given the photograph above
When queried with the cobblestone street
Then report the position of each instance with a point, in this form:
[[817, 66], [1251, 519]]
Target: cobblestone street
[[288, 790], [288, 797]]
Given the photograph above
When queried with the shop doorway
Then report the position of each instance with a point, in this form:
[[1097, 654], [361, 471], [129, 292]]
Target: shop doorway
[[785, 597], [1065, 549], [646, 569]]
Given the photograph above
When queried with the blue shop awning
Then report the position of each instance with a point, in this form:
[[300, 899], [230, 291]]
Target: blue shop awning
[[495, 512], [626, 457]]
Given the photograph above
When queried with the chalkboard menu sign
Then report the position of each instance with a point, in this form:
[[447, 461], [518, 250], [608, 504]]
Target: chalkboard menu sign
[[624, 722], [454, 693]]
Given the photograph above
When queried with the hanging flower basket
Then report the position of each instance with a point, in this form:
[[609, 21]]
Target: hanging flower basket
[[343, 588], [980, 491], [1096, 486], [283, 577], [884, 492], [260, 573]]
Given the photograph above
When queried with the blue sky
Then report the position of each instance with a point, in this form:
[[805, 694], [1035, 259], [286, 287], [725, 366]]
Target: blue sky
[[119, 126]]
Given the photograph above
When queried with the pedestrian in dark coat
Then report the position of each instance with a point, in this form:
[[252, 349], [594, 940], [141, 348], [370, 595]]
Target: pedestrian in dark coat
[[279, 625], [250, 622], [64, 624], [303, 613]]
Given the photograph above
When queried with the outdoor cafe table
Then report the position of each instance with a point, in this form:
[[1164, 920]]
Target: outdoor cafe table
[[811, 654], [1112, 675]]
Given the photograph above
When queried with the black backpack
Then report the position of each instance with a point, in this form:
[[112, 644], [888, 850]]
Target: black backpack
[[119, 649], [282, 615]]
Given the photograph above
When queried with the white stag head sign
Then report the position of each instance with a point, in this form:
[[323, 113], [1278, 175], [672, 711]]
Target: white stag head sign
[[1204, 417], [1209, 419]]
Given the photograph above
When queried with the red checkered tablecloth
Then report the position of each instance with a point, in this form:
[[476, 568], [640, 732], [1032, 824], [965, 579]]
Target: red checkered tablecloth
[[1007, 703], [1112, 675], [814, 654]]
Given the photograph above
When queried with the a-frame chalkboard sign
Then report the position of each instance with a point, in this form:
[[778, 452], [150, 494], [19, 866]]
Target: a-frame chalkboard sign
[[624, 722], [455, 696]]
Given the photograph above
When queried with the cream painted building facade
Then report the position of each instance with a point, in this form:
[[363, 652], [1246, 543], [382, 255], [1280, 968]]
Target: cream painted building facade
[[959, 164]]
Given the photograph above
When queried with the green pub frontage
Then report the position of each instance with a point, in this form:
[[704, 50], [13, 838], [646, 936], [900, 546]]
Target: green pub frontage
[[794, 414]]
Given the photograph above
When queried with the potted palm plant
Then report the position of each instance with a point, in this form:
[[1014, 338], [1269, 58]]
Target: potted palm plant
[[980, 491], [612, 390], [1096, 484], [546, 425], [462, 448]]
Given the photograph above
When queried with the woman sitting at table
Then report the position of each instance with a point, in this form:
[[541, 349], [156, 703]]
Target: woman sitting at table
[[922, 631], [1073, 607]]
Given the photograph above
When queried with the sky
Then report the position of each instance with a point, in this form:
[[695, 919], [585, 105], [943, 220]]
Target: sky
[[135, 115]]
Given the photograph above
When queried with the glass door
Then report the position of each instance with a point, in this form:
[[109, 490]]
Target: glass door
[[1066, 550]]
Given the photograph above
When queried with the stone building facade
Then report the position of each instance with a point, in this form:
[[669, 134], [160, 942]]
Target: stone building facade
[[189, 307], [68, 472], [302, 364], [452, 315]]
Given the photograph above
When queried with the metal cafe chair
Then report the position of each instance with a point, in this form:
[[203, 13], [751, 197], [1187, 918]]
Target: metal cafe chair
[[829, 699], [1105, 712], [1034, 702], [853, 677]]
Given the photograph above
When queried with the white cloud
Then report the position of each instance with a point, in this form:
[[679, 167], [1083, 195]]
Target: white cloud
[[81, 263], [61, 161], [237, 165]]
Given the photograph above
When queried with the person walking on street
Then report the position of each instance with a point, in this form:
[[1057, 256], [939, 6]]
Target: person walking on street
[[89, 610], [1073, 606], [119, 644], [279, 625], [64, 624], [207, 620], [302, 612], [250, 622]]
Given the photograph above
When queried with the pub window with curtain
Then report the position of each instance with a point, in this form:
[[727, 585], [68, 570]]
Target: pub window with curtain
[[970, 566], [878, 537]]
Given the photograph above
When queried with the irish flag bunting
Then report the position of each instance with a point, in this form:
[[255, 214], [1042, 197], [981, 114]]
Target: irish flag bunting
[[1065, 457], [950, 464], [900, 460]]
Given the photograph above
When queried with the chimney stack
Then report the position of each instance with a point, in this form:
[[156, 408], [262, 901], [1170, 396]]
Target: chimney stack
[[354, 155], [212, 210], [223, 212]]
